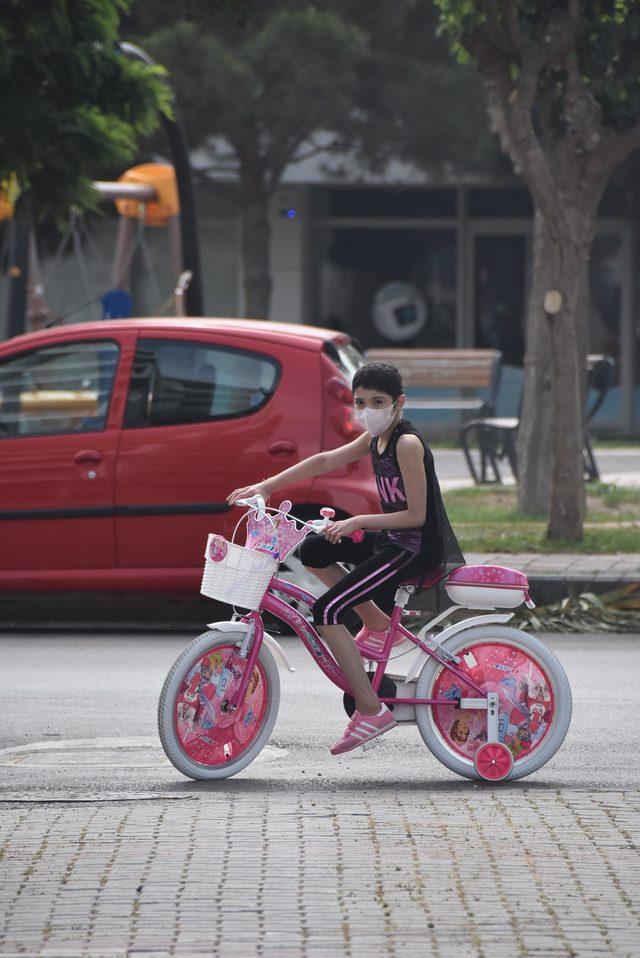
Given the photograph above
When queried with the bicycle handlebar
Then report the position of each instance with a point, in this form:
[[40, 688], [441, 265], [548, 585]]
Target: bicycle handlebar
[[260, 506]]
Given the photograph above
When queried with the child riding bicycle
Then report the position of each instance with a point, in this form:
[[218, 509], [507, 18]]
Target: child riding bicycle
[[411, 537]]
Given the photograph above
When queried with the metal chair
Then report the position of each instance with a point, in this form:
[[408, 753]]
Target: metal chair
[[495, 437]]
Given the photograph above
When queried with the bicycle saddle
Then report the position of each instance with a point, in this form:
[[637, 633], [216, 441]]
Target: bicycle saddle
[[426, 579]]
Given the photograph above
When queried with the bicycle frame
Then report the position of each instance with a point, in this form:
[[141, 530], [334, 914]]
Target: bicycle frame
[[313, 642]]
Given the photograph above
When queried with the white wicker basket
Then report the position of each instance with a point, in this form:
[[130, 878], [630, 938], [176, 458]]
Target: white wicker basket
[[234, 574]]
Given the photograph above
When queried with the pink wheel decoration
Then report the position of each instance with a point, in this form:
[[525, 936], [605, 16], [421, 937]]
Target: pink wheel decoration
[[206, 733], [493, 761], [525, 697]]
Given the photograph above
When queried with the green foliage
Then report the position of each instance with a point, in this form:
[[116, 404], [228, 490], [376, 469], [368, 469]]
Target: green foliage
[[71, 106], [613, 495], [268, 75], [266, 89], [419, 104], [607, 48]]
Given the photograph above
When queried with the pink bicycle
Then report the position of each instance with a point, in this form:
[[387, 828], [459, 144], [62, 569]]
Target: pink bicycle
[[490, 701]]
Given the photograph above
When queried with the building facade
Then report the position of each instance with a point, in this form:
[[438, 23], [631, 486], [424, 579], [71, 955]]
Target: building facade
[[405, 265]]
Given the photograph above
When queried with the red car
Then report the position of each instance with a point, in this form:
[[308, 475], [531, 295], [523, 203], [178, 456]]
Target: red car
[[120, 440]]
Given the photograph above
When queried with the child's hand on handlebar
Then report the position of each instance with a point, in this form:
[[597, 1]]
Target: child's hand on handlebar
[[336, 531], [257, 489]]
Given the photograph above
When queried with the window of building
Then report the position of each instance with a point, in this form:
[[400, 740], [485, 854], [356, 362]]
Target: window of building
[[388, 286], [405, 202], [500, 202], [499, 294]]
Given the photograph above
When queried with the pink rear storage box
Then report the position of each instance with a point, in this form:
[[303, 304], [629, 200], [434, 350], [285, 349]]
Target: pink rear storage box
[[488, 587]]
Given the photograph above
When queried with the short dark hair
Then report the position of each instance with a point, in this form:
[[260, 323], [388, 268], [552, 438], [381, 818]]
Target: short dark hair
[[380, 376]]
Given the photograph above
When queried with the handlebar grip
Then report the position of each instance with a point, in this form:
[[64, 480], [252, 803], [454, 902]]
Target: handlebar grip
[[357, 536]]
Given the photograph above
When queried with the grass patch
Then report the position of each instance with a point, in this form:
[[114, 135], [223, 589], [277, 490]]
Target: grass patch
[[612, 495], [486, 519]]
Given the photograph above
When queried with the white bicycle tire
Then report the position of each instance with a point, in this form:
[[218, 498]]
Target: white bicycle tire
[[561, 689], [171, 689]]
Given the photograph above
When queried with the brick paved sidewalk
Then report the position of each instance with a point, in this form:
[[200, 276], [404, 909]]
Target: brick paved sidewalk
[[465, 871], [580, 567]]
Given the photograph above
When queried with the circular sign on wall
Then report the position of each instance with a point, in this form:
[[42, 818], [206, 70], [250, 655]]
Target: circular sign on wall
[[399, 311]]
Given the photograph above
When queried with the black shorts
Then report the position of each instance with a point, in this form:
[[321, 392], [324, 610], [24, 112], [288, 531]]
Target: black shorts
[[380, 569]]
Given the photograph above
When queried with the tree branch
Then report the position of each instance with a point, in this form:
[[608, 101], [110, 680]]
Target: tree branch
[[582, 111], [616, 147], [525, 47], [510, 112], [561, 33], [494, 31]]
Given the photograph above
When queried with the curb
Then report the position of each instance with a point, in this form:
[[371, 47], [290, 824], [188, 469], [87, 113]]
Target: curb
[[106, 612]]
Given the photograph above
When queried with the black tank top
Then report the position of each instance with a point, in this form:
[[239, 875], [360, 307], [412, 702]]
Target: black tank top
[[435, 541]]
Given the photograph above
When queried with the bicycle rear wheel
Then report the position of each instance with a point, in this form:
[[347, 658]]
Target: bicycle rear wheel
[[199, 738], [533, 691]]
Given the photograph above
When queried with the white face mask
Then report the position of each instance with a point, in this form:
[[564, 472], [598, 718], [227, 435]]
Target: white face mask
[[375, 421]]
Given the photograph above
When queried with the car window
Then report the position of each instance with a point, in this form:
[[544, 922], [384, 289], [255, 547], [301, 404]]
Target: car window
[[176, 382], [57, 389]]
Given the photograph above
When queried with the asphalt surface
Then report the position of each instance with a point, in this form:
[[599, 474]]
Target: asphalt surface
[[619, 464], [58, 688]]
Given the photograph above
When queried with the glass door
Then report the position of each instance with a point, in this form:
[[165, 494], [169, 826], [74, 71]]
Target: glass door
[[499, 280], [388, 286]]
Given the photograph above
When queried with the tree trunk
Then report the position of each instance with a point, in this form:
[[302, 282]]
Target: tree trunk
[[534, 433], [551, 434], [256, 241], [569, 346]]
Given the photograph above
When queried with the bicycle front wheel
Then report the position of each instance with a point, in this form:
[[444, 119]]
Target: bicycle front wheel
[[199, 738], [533, 691]]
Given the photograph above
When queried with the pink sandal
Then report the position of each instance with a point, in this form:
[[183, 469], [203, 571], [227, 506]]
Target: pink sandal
[[362, 728], [375, 640]]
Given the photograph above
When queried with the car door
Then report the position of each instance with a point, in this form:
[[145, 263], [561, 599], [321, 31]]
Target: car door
[[58, 443], [203, 417]]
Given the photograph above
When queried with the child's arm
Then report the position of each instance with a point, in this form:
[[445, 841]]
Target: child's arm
[[313, 466], [410, 453]]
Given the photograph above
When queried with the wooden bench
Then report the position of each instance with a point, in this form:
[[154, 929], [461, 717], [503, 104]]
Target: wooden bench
[[460, 369]]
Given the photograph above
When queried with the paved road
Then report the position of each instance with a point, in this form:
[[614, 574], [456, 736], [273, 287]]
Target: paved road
[[374, 854], [75, 687], [618, 464]]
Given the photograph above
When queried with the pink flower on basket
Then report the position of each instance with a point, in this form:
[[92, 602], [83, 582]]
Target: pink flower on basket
[[218, 548]]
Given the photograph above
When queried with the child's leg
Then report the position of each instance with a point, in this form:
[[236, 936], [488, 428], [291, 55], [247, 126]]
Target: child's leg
[[346, 654], [371, 578], [372, 616], [321, 557]]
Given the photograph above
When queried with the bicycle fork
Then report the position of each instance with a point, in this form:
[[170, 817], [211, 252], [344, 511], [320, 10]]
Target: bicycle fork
[[249, 650]]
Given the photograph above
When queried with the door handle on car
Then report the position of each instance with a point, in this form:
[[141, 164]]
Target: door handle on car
[[282, 449], [87, 455]]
